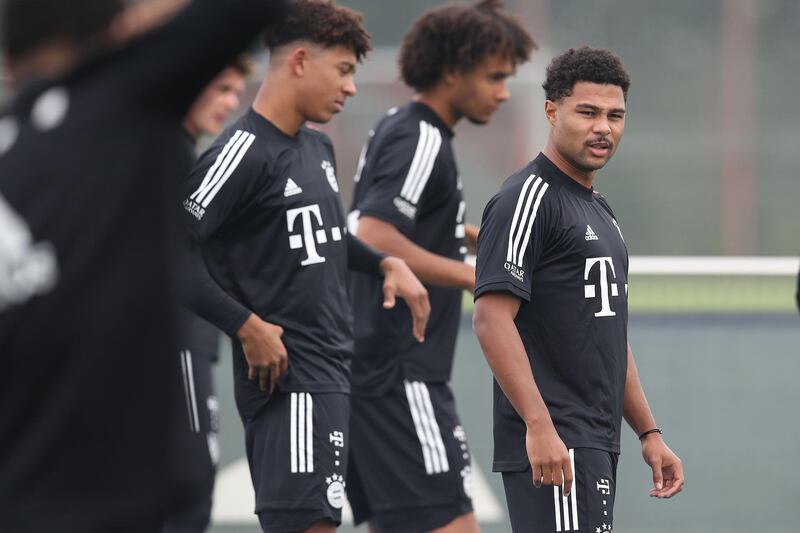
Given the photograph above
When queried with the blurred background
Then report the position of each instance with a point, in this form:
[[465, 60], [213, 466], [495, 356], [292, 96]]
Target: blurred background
[[707, 167]]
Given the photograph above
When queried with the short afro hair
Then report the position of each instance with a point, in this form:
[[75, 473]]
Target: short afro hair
[[322, 22], [594, 65], [30, 24], [459, 37]]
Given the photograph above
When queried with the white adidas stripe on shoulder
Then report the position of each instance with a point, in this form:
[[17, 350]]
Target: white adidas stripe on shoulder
[[428, 145], [224, 166], [528, 202]]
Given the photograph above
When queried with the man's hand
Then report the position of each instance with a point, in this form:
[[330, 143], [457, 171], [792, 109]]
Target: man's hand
[[549, 458], [667, 467], [398, 280], [472, 232], [264, 350]]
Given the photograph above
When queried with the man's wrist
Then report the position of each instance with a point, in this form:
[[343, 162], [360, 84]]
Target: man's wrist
[[650, 432], [386, 263]]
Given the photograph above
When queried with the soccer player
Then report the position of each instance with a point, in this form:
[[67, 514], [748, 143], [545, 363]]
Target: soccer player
[[551, 314], [87, 342], [409, 459], [199, 340], [263, 202]]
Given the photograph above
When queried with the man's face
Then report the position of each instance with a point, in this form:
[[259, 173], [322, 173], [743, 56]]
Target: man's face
[[480, 91], [328, 82], [588, 125], [216, 103]]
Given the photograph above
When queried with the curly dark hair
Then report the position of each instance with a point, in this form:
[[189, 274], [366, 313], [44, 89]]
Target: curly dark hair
[[322, 22], [459, 37], [29, 24], [595, 65]]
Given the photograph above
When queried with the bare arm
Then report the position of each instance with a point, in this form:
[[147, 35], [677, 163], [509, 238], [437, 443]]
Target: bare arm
[[493, 322], [668, 477], [472, 232], [428, 267]]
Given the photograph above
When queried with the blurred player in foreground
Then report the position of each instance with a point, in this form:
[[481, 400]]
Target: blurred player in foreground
[[263, 203], [87, 338], [551, 314], [199, 340], [409, 465]]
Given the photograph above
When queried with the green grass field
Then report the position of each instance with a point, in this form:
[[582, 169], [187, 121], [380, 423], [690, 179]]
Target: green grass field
[[706, 294]]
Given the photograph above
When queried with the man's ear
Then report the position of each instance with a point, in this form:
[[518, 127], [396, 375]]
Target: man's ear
[[551, 112], [450, 77], [297, 59]]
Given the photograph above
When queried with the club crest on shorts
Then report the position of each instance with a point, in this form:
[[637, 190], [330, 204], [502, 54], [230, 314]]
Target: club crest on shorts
[[466, 478], [335, 492]]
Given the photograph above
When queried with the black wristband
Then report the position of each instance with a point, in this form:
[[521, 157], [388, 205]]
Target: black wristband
[[654, 430]]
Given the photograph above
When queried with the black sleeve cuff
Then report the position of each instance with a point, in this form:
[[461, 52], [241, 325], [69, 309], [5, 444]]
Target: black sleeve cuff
[[501, 286], [363, 258]]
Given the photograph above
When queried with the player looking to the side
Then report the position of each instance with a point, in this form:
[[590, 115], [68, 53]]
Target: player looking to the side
[[551, 314], [89, 387], [199, 340], [263, 203], [410, 466]]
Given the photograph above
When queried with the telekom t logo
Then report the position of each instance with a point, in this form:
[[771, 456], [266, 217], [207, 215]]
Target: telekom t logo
[[310, 236], [606, 289]]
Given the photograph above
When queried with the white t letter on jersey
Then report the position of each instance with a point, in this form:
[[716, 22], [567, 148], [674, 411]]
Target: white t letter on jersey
[[309, 235], [590, 290]]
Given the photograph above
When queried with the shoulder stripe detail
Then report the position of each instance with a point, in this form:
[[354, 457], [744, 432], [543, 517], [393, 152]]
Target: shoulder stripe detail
[[213, 170], [522, 223], [244, 147], [233, 154], [430, 141], [515, 220], [521, 252]]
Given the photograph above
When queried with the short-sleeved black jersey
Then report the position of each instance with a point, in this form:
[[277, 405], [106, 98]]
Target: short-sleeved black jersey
[[556, 245], [265, 208], [87, 218], [408, 177]]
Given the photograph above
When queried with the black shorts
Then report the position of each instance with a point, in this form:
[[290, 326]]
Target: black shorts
[[409, 460], [198, 449], [297, 451], [589, 507]]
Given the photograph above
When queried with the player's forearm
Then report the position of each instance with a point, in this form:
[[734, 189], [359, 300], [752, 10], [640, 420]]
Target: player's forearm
[[192, 48], [362, 257], [430, 268], [202, 295], [505, 353], [635, 408]]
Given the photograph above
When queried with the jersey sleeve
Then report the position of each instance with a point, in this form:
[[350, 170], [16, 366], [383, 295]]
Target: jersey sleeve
[[514, 233], [399, 172], [221, 185], [169, 66]]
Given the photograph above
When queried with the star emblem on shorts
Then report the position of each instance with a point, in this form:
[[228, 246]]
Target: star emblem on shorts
[[605, 528]]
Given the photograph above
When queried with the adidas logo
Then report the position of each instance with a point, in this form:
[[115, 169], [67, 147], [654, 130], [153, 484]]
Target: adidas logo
[[590, 234], [291, 189]]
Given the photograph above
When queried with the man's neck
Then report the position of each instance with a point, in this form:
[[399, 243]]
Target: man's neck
[[47, 62], [278, 106], [582, 177], [191, 129], [439, 102]]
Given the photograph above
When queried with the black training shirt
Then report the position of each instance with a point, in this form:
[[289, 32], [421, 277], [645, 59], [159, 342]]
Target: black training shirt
[[408, 177], [88, 366], [265, 208], [557, 246]]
